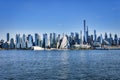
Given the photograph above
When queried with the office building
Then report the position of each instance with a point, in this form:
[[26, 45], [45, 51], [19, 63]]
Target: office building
[[84, 37], [30, 41], [12, 44], [24, 41], [8, 37], [95, 36], [18, 44]]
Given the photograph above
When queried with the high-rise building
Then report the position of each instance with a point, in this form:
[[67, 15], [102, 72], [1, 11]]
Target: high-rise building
[[51, 40], [116, 40], [1, 43], [24, 41], [99, 39], [12, 44], [84, 37], [58, 41], [18, 44], [110, 39], [81, 42], [37, 39], [8, 37], [30, 41], [91, 40], [77, 38], [72, 39], [119, 41], [87, 34], [54, 40], [95, 36], [72, 35], [106, 37], [45, 40]]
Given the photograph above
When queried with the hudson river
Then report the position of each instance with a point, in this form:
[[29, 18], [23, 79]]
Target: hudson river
[[60, 65]]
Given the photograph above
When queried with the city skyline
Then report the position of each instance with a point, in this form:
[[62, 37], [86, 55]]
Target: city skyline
[[33, 16]]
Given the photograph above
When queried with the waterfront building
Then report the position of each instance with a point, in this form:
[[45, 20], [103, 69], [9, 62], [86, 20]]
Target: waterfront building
[[99, 39], [30, 41], [84, 37], [51, 40], [81, 42], [91, 40], [106, 37], [6, 45], [64, 43], [18, 44], [87, 35], [72, 39], [110, 39], [8, 37], [24, 41], [37, 39], [54, 40], [95, 36], [77, 40], [116, 40], [12, 44], [119, 41], [58, 41], [72, 35], [1, 43], [45, 41]]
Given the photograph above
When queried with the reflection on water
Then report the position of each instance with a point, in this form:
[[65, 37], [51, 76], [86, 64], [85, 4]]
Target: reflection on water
[[60, 65]]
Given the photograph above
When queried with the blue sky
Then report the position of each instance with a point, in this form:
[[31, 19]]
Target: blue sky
[[60, 16]]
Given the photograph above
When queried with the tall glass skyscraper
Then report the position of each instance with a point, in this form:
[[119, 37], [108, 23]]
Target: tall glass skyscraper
[[45, 40], [8, 37], [95, 36], [18, 41], [84, 37], [30, 41]]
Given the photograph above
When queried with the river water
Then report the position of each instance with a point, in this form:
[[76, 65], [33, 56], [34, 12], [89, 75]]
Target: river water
[[60, 65]]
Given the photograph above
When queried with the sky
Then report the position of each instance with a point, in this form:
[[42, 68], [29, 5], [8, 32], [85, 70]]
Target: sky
[[59, 16]]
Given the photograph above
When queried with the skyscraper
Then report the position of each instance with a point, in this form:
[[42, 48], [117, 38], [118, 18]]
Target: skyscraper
[[106, 37], [81, 42], [54, 40], [87, 35], [8, 37], [18, 41], [84, 41], [115, 39], [12, 44], [45, 40], [37, 39], [77, 38], [95, 36], [30, 41], [111, 39], [24, 41], [51, 40]]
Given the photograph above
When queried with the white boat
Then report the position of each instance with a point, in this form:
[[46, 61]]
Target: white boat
[[37, 48]]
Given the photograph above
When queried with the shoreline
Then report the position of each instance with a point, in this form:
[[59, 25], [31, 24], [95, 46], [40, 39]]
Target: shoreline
[[64, 49]]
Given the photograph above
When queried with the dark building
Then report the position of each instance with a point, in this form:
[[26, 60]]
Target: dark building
[[84, 37], [8, 37], [12, 44], [87, 35], [77, 40], [95, 36]]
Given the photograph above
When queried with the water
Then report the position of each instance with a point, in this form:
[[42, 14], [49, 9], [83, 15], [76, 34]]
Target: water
[[60, 65]]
